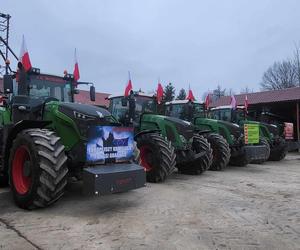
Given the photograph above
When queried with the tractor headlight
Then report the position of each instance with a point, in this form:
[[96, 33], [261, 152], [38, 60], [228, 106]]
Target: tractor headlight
[[232, 137], [182, 138], [81, 116]]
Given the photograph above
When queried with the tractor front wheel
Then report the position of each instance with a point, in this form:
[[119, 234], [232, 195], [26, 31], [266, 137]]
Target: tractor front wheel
[[279, 151], [241, 160], [200, 165], [38, 168], [157, 156], [221, 151]]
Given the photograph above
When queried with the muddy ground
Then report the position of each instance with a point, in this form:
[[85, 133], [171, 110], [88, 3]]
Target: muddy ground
[[255, 207]]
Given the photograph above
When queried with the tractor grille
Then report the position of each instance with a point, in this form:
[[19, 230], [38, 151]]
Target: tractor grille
[[84, 125]]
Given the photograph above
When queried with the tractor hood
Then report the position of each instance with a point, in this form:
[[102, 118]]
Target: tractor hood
[[77, 109], [179, 122], [86, 116], [234, 128], [184, 128], [272, 128]]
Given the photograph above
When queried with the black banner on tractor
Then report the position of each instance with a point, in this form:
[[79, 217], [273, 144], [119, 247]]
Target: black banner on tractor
[[110, 144]]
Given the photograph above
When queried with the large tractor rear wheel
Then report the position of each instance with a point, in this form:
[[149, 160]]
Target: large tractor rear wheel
[[221, 151], [263, 141], [200, 144], [157, 156], [279, 151], [38, 168]]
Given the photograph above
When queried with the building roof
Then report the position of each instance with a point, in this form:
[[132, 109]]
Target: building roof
[[282, 95], [84, 97], [181, 102], [137, 93]]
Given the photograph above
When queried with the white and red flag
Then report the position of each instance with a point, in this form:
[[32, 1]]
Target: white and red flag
[[128, 86], [190, 96], [207, 101], [246, 104], [159, 92], [76, 73], [233, 102], [24, 56]]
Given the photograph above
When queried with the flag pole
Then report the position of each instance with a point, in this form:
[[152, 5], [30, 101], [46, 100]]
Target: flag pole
[[129, 76]]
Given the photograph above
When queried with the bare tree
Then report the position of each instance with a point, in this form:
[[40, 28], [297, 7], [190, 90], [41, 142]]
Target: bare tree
[[297, 62], [230, 92], [218, 92], [280, 75], [246, 90]]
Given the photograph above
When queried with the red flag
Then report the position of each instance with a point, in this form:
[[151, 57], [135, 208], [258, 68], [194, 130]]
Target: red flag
[[24, 56], [159, 93], [233, 102], [190, 95], [128, 86], [207, 101], [246, 104], [76, 73]]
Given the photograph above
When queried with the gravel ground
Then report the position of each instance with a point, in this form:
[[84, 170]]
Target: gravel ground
[[255, 207]]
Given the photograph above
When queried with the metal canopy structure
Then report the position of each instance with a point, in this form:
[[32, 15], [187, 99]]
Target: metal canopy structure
[[4, 34]]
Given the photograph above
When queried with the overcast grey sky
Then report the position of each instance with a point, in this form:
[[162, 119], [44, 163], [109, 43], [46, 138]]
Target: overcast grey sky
[[201, 43]]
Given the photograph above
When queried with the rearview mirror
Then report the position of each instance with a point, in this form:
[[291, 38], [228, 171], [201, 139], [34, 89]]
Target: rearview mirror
[[92, 93], [7, 84]]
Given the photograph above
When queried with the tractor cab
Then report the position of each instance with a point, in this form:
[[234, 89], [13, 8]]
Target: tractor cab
[[28, 93], [185, 109], [227, 113], [128, 110]]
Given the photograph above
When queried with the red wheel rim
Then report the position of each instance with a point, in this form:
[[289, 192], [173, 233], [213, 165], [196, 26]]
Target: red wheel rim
[[21, 182], [146, 153]]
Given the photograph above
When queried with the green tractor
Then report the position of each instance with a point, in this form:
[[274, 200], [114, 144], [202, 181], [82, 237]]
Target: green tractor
[[269, 133], [226, 138], [193, 111], [161, 139], [47, 138]]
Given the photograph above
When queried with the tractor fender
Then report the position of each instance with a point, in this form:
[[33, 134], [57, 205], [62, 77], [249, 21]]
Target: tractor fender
[[146, 132], [203, 132], [10, 133]]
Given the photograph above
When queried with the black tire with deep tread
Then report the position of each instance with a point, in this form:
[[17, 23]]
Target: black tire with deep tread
[[49, 168], [241, 160], [221, 151], [164, 157], [3, 180], [202, 164], [278, 152], [263, 141]]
